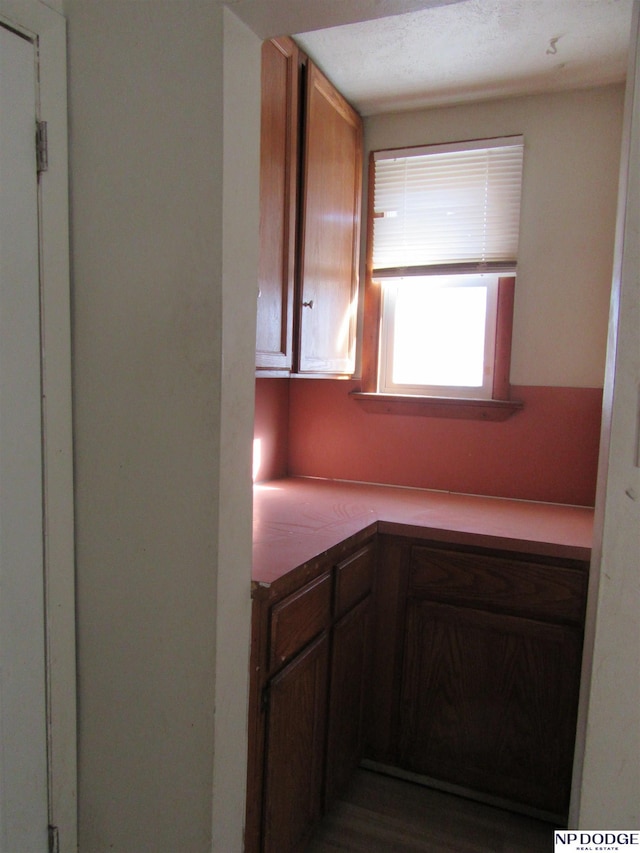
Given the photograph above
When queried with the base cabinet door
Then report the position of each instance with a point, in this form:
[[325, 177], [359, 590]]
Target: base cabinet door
[[488, 702], [349, 681], [294, 749]]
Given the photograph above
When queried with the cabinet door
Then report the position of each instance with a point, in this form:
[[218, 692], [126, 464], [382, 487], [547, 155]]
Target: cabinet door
[[347, 695], [489, 702], [332, 182], [278, 202], [294, 756]]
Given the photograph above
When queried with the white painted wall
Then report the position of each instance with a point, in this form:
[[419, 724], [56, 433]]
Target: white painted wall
[[607, 772], [163, 328], [163, 421], [240, 229], [572, 149]]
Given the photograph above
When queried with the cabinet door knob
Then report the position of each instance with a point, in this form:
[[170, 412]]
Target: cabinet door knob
[[308, 304]]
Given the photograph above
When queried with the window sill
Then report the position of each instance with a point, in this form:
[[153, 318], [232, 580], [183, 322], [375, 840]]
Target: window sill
[[436, 407]]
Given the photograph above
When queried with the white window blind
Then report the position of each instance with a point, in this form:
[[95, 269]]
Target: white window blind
[[447, 207]]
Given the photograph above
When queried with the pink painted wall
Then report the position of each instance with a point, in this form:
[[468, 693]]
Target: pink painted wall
[[547, 452], [271, 429]]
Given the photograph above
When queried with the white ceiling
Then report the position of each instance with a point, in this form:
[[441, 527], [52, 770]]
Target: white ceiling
[[450, 51], [268, 18]]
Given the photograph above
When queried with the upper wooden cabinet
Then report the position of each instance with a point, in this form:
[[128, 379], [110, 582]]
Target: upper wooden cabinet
[[330, 230], [310, 190], [278, 203]]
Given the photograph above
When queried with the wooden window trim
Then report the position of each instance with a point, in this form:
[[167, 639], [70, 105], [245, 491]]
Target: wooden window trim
[[436, 407]]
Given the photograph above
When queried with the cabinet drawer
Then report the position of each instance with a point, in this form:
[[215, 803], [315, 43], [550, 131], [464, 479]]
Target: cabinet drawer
[[354, 579], [499, 583], [297, 619]]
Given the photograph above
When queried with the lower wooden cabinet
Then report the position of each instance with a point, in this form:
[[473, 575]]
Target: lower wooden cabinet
[[488, 702], [294, 749], [478, 683], [308, 690], [455, 663], [349, 681]]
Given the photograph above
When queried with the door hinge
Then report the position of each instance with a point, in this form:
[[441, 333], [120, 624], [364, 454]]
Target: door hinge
[[42, 149], [54, 840]]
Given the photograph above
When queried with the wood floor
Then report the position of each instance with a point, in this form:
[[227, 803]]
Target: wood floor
[[380, 814]]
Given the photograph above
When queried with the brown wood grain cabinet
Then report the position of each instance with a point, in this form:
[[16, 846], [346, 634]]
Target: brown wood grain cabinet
[[279, 135], [310, 190], [308, 690], [293, 703], [330, 230], [350, 669], [454, 663], [349, 682], [298, 618], [294, 752], [488, 702], [488, 650]]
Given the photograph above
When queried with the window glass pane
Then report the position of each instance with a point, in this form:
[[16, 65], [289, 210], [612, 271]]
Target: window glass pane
[[439, 335]]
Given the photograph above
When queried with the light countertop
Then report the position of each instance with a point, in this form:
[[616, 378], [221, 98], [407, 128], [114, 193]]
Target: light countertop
[[298, 519]]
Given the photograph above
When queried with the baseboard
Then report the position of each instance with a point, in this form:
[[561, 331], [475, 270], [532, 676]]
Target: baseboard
[[558, 820]]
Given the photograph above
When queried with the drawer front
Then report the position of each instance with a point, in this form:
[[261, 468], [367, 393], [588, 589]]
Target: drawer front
[[297, 619], [501, 584], [354, 579]]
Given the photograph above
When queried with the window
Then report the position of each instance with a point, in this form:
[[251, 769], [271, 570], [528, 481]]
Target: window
[[444, 225], [438, 335]]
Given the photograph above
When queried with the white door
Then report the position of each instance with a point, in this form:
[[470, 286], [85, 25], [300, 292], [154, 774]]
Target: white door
[[23, 754]]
